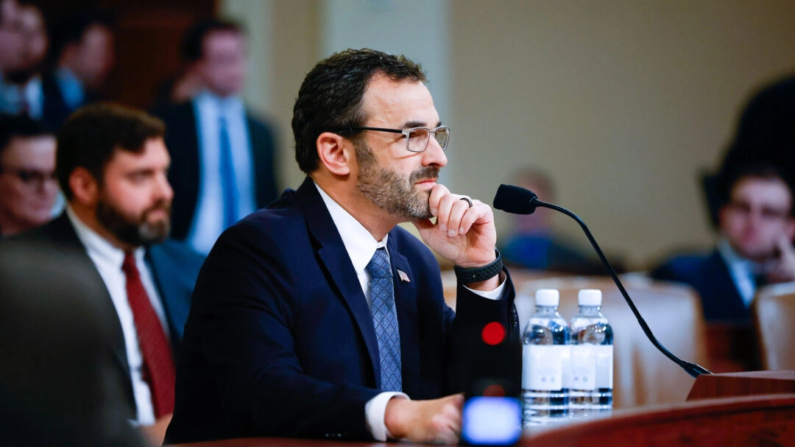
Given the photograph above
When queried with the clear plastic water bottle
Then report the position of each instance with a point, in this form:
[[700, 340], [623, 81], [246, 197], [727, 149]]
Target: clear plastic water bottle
[[591, 377], [545, 363]]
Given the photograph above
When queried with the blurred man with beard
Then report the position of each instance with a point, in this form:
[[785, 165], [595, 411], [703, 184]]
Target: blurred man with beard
[[112, 164], [318, 316]]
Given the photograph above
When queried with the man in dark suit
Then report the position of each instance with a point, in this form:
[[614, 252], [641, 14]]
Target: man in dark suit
[[757, 229], [82, 55], [111, 164], [59, 382], [222, 156], [318, 316]]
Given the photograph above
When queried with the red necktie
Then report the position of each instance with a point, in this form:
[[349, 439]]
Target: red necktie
[[158, 365]]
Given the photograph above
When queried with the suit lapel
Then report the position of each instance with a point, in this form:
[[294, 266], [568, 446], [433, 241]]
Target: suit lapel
[[334, 258], [182, 140], [406, 304]]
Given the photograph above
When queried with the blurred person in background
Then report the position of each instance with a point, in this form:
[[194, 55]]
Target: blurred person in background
[[533, 243], [222, 156], [765, 133], [22, 92], [186, 83], [11, 44], [28, 186], [756, 227], [83, 55], [59, 383], [111, 164]]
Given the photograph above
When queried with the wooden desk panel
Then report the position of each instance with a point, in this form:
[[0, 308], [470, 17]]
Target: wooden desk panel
[[753, 383], [733, 422]]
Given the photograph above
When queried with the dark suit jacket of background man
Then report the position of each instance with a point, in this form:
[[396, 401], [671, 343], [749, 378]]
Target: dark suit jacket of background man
[[174, 269], [55, 111], [709, 275], [182, 141], [280, 339]]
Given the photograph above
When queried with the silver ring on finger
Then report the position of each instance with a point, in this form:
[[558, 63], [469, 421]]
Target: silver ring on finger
[[467, 199]]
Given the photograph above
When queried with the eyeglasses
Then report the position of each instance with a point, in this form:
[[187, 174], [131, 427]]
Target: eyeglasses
[[32, 178], [417, 138], [767, 213]]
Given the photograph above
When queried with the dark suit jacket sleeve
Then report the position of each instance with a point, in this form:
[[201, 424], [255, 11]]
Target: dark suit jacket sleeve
[[240, 333]]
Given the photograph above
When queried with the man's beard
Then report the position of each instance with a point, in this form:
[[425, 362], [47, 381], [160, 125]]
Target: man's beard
[[391, 192], [137, 232]]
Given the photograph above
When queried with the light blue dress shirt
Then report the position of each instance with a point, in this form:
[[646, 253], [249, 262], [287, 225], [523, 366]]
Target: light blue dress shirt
[[208, 220]]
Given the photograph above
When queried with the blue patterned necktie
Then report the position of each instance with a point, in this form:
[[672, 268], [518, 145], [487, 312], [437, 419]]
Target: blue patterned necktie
[[382, 297], [228, 180]]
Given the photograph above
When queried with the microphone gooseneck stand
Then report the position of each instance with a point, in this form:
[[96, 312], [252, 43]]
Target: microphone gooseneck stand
[[693, 369]]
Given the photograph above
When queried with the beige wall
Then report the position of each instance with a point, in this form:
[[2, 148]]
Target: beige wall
[[290, 31], [623, 102]]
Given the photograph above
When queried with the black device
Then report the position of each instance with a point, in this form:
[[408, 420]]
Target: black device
[[492, 413], [516, 200]]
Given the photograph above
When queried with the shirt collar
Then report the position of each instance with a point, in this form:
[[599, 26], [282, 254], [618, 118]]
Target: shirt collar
[[735, 260], [359, 243], [227, 104], [97, 246]]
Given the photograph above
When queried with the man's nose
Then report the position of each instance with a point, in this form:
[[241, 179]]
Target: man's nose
[[434, 155], [48, 185], [164, 190]]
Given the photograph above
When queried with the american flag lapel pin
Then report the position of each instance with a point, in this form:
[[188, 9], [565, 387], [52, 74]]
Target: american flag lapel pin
[[403, 276]]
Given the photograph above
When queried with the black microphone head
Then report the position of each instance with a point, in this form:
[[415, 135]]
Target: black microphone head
[[515, 200]]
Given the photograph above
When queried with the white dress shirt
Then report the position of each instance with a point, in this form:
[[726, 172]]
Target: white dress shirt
[[108, 261], [361, 246], [208, 220], [742, 271]]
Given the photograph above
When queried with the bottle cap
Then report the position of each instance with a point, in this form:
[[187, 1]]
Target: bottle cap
[[547, 297], [590, 297]]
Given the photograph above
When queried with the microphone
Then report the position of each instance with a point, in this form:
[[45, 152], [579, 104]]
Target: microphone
[[516, 200]]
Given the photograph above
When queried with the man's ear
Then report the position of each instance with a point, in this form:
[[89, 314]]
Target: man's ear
[[84, 186], [335, 152]]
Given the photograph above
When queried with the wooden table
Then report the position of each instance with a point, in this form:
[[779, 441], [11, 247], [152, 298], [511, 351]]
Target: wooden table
[[734, 419]]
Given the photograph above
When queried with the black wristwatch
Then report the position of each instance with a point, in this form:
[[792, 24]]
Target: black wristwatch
[[478, 274]]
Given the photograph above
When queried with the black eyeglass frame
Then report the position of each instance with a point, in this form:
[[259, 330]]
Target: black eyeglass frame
[[31, 178], [408, 131]]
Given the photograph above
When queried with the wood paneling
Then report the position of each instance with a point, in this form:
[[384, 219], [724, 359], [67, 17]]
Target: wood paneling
[[148, 34]]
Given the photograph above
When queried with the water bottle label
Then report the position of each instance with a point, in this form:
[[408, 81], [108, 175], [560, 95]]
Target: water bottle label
[[604, 365], [543, 366], [583, 368]]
